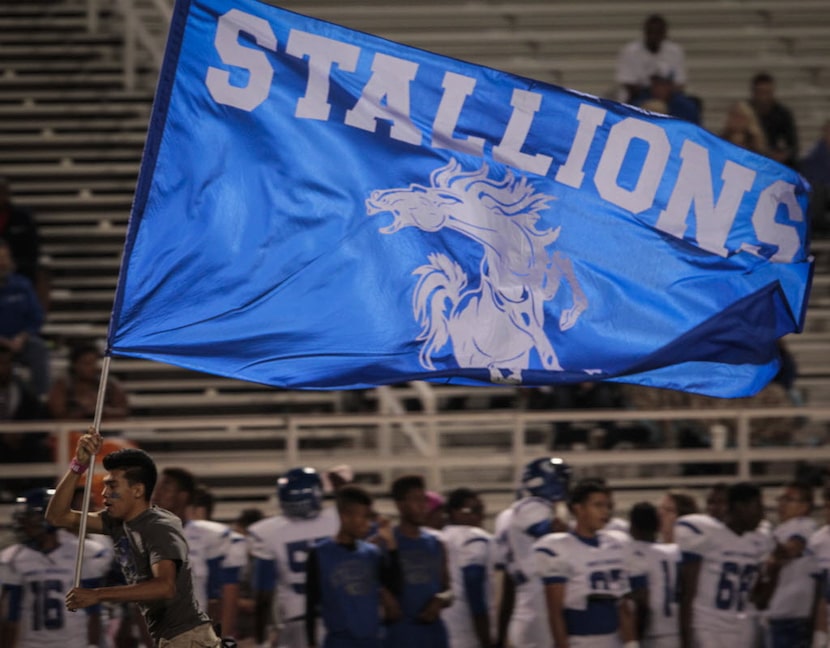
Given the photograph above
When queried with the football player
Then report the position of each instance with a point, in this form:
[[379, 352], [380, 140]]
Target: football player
[[544, 482], [721, 562], [279, 546], [37, 573], [585, 577]]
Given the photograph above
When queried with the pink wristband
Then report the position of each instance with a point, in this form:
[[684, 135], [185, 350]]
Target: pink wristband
[[77, 467]]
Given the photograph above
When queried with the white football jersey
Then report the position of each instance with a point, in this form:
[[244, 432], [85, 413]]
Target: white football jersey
[[730, 565], [466, 546], [793, 596], [657, 563], [44, 580], [207, 541], [287, 542], [588, 569], [819, 547]]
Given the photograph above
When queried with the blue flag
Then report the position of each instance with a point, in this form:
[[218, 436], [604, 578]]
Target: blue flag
[[321, 208]]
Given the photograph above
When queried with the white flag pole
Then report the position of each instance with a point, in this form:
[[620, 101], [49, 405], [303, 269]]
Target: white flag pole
[[96, 424]]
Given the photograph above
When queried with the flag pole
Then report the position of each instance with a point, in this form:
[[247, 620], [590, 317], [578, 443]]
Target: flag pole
[[96, 424]]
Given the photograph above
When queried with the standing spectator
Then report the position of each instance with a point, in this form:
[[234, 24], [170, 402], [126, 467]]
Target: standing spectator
[[743, 128], [639, 60], [148, 541], [776, 120], [425, 588], [345, 576], [653, 571], [18, 228], [20, 320], [544, 482], [790, 610], [279, 546], [36, 573], [73, 397], [469, 551], [815, 166], [584, 575], [720, 572]]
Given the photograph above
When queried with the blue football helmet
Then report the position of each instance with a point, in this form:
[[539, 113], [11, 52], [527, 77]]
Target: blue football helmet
[[548, 478], [29, 513], [300, 492]]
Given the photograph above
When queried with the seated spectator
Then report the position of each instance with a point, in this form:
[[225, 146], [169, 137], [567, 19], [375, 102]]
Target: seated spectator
[[815, 166], [21, 317], [776, 120], [17, 402], [663, 88], [73, 397], [743, 128], [639, 59], [19, 229]]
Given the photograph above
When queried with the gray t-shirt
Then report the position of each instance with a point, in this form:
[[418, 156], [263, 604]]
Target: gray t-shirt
[[153, 536]]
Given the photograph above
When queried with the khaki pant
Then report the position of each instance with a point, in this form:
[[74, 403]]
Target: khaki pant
[[201, 636]]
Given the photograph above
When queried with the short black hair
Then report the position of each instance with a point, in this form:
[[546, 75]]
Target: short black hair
[[203, 497], [185, 481], [742, 493], [585, 488], [762, 77], [248, 516], [349, 495], [644, 519], [457, 498], [402, 485], [138, 467], [656, 18]]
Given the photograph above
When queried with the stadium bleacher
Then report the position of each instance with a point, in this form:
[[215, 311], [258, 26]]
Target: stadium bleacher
[[71, 138]]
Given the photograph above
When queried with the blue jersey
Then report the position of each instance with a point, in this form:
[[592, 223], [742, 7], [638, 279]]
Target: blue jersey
[[348, 581], [424, 575]]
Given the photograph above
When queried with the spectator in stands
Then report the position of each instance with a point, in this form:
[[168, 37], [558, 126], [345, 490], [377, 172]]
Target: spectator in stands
[[776, 120], [672, 506], [18, 228], [743, 128], [17, 402], [73, 397], [662, 88], [21, 317], [638, 60], [815, 166]]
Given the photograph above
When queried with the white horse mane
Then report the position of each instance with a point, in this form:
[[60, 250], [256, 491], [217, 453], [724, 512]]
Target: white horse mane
[[509, 196]]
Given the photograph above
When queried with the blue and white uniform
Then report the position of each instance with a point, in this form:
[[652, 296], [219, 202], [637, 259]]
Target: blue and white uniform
[[209, 544], [729, 567], [279, 546], [530, 519], [654, 566], [594, 572], [469, 560], [35, 585]]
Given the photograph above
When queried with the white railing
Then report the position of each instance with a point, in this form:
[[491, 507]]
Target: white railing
[[144, 32], [489, 447]]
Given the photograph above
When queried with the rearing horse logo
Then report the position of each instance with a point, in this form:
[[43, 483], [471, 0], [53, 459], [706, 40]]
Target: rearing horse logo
[[499, 322]]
